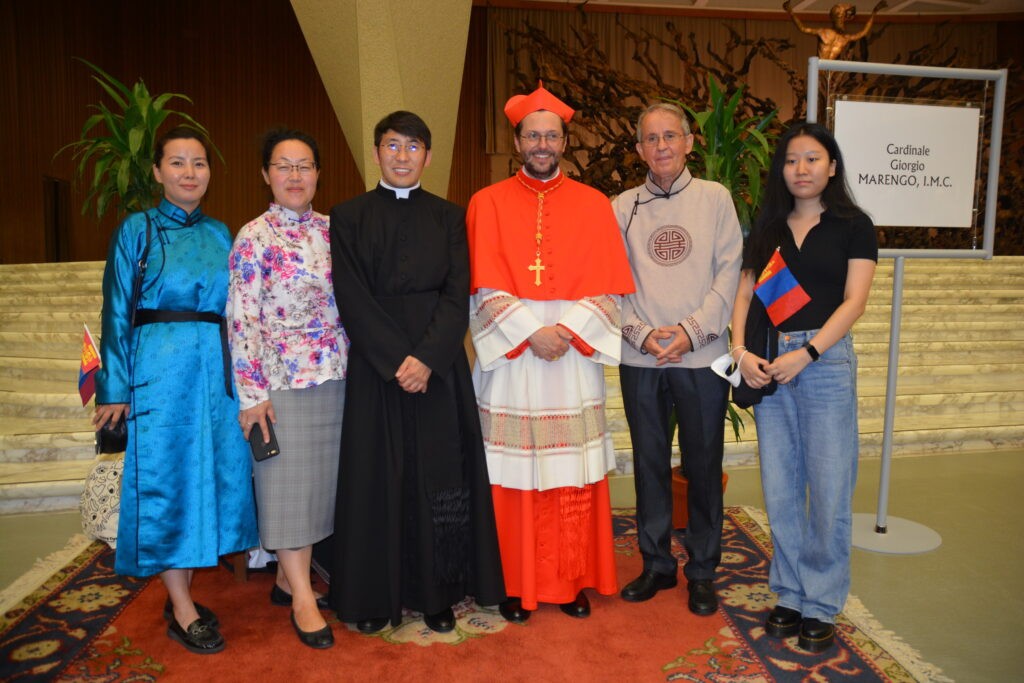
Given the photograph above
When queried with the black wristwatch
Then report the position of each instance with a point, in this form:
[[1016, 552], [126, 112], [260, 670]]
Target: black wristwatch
[[811, 351]]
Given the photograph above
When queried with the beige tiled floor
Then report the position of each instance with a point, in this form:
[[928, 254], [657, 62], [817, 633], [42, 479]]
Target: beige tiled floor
[[26, 537], [959, 606]]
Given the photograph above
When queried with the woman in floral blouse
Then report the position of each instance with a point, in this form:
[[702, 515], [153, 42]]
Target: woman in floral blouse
[[289, 353]]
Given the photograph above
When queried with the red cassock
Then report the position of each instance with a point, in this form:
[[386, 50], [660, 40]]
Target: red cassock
[[555, 538]]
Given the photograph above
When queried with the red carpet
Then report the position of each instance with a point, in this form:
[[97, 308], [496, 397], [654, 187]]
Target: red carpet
[[89, 625]]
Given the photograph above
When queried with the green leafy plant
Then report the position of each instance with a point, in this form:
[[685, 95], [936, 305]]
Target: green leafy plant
[[731, 150], [735, 419], [118, 140]]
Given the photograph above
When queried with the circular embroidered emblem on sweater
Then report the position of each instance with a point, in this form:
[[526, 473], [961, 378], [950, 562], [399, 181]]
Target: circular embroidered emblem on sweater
[[669, 245]]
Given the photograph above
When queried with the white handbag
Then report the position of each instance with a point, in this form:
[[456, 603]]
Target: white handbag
[[100, 504]]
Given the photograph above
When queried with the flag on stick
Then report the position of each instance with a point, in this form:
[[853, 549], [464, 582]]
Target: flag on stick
[[781, 294], [87, 371]]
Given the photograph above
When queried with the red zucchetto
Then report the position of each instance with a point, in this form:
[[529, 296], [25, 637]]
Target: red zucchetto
[[519, 107]]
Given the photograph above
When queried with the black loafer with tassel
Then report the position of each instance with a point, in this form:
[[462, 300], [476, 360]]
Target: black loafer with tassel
[[199, 638], [206, 614]]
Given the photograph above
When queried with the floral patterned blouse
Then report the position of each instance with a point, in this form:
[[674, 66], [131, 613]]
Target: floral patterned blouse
[[283, 321]]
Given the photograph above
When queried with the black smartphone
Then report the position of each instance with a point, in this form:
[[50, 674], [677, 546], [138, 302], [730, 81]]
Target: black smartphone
[[260, 449]]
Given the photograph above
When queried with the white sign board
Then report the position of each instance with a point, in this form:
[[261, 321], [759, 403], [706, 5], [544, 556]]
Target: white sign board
[[910, 164]]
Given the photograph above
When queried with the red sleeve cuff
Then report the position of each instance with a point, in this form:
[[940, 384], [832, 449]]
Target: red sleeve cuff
[[518, 351], [583, 347]]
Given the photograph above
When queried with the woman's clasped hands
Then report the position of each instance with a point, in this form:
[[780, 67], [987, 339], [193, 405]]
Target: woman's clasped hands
[[758, 372]]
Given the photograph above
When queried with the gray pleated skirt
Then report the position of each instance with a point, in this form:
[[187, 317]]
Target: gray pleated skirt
[[295, 490]]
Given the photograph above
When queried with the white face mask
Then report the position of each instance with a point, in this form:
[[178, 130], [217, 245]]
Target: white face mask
[[720, 366]]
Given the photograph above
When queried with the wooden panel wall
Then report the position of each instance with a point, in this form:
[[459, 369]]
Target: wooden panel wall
[[470, 166], [244, 63]]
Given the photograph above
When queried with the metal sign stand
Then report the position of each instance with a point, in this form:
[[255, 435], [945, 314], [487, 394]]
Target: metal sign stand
[[881, 533], [892, 534]]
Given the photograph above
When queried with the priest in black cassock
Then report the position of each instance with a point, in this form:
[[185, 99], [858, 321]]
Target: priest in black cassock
[[414, 525]]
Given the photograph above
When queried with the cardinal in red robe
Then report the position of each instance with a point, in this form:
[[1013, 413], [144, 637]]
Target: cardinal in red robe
[[548, 268]]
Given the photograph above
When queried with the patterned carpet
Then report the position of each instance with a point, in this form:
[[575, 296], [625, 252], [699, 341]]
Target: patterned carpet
[[86, 624]]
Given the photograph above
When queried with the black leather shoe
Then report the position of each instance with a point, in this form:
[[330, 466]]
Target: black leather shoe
[[646, 585], [199, 638], [783, 622], [816, 635], [442, 622], [318, 640], [703, 600], [512, 610], [371, 625], [280, 598], [579, 608], [206, 614]]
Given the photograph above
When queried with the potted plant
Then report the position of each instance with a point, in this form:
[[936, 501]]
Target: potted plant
[[120, 151], [732, 151], [680, 482]]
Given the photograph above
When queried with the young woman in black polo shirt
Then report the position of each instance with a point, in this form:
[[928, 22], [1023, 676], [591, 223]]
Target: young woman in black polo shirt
[[807, 429]]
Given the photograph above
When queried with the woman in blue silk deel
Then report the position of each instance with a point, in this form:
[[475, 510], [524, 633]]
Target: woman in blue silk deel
[[186, 492]]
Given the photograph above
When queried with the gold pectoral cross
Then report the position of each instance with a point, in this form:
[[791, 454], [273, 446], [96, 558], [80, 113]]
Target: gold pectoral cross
[[539, 235], [536, 268]]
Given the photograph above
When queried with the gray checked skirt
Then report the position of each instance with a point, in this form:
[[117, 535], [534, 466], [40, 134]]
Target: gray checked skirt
[[295, 490]]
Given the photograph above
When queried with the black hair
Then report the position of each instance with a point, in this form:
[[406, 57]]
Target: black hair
[[179, 133], [767, 232], [404, 123], [272, 138]]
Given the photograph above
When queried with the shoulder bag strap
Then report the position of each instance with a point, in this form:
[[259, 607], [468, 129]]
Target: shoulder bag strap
[[140, 273]]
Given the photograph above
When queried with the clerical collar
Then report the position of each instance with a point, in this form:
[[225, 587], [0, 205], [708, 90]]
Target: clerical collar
[[178, 215], [400, 192], [678, 185], [538, 185], [292, 215]]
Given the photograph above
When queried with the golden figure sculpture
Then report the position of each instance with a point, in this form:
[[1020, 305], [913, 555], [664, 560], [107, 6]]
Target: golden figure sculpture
[[832, 42]]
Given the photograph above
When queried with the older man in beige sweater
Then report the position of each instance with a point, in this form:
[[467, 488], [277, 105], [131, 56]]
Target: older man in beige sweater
[[684, 245]]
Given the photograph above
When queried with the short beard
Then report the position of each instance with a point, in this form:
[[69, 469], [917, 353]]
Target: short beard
[[535, 173]]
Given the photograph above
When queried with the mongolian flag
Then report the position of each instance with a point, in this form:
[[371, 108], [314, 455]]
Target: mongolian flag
[[781, 294], [87, 371]]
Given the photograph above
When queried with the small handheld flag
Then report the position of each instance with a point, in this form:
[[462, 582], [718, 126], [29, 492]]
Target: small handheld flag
[[776, 287], [87, 371]]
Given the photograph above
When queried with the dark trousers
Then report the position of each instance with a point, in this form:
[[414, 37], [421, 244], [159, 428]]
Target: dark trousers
[[699, 397]]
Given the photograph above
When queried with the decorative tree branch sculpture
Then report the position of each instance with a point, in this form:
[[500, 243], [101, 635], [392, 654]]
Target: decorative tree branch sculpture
[[602, 140], [603, 152]]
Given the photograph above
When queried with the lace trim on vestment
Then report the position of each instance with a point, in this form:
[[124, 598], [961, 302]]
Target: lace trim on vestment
[[491, 310], [535, 433]]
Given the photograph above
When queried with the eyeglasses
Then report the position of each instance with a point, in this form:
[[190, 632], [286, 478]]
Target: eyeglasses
[[670, 138], [411, 148], [533, 137], [285, 168]]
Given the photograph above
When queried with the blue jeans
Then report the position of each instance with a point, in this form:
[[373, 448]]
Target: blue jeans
[[808, 441]]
